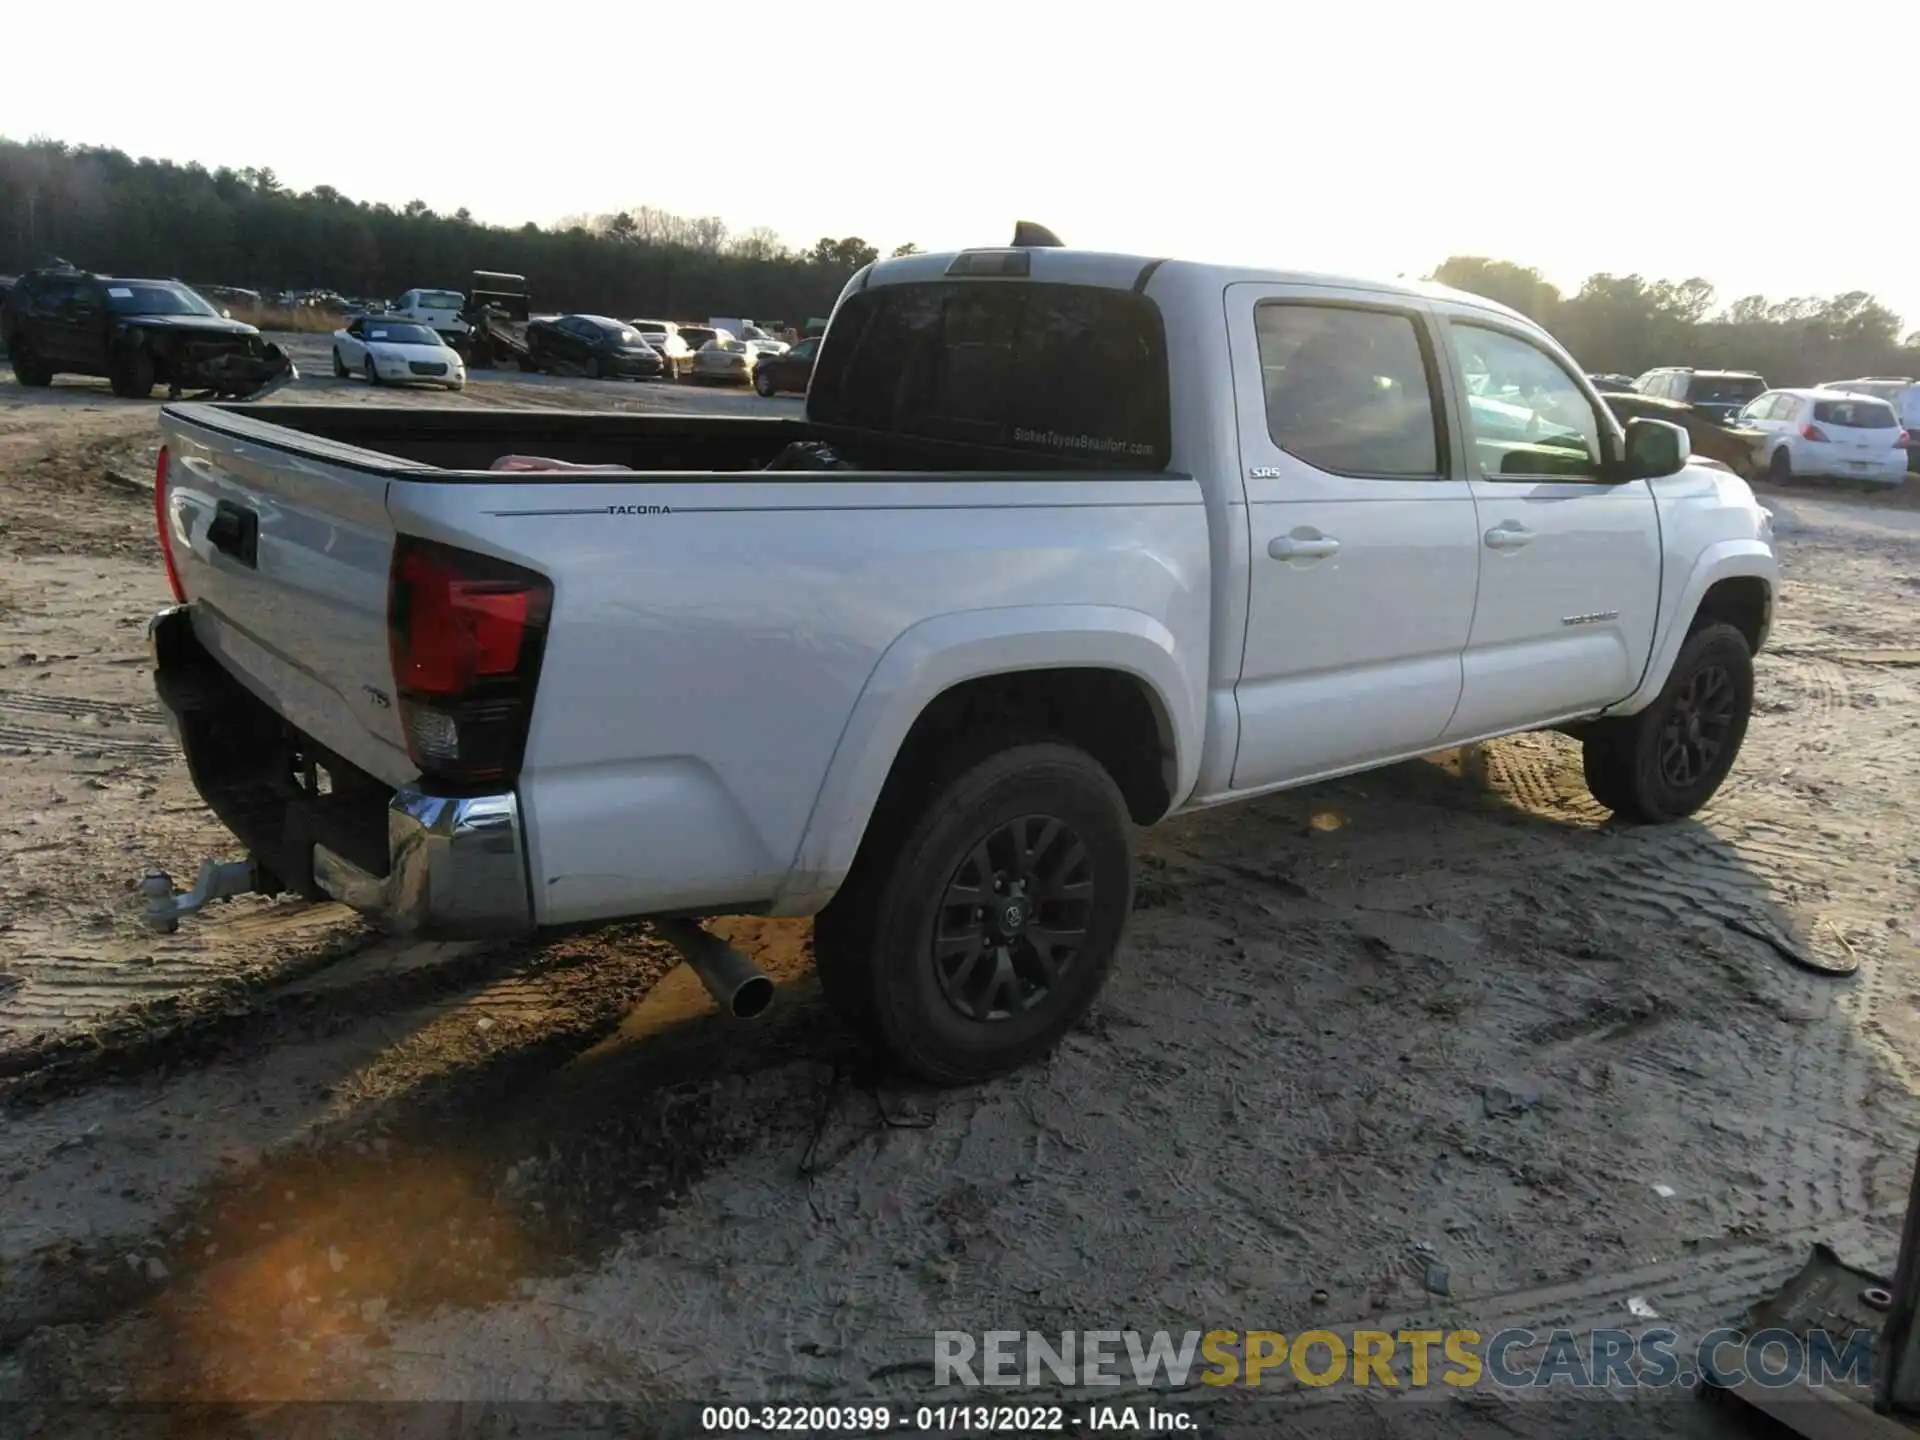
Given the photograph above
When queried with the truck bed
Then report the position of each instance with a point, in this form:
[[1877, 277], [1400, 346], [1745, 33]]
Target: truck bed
[[466, 440], [719, 631]]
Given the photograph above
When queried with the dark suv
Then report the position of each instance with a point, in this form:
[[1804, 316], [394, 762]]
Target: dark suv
[[1717, 394], [134, 333]]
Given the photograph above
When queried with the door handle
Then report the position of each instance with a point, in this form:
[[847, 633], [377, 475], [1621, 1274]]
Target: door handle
[[235, 531], [1294, 547], [1508, 536]]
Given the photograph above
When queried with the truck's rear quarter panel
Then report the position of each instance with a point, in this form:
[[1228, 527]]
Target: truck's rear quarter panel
[[710, 638]]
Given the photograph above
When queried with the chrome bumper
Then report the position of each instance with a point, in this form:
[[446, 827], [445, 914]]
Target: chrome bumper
[[456, 866], [458, 869]]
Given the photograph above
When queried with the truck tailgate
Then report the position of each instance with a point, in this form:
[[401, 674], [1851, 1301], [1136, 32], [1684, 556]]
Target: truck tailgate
[[284, 555]]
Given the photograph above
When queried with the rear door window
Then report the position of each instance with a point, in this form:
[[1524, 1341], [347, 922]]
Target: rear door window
[[1855, 414], [1349, 390], [49, 296], [1725, 389], [1077, 373]]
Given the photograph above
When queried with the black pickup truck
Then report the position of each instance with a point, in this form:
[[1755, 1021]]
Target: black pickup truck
[[135, 334]]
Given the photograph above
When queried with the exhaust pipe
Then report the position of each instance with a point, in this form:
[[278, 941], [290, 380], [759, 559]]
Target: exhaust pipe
[[741, 987]]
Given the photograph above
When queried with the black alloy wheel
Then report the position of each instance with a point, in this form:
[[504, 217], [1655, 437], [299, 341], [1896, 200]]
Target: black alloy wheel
[[1013, 919]]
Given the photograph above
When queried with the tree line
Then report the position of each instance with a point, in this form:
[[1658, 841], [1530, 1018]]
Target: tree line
[[1626, 324], [105, 210]]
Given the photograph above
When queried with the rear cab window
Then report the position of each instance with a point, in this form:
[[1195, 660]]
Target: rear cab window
[[1074, 373]]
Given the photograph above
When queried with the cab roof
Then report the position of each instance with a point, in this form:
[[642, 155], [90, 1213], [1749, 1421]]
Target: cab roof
[[1063, 266]]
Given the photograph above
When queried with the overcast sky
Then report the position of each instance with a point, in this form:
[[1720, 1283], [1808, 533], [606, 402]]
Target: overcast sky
[[1767, 149]]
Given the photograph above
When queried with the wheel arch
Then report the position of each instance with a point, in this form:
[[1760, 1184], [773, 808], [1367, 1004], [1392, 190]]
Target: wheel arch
[[1091, 664], [1735, 581]]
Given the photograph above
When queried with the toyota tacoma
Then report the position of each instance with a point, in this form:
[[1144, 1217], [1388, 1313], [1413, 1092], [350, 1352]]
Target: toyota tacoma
[[1065, 543]]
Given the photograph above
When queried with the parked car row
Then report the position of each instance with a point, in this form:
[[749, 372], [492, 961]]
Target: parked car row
[[649, 349], [1832, 433], [1865, 430]]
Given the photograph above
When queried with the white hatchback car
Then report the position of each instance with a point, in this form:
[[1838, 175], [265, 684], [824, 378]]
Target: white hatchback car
[[396, 352], [1826, 432]]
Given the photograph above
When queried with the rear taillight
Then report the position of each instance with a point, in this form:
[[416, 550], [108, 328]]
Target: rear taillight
[[1813, 432], [465, 634], [163, 524], [1900, 441]]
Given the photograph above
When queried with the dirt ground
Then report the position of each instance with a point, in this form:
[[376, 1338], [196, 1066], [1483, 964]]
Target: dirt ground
[[1439, 1018]]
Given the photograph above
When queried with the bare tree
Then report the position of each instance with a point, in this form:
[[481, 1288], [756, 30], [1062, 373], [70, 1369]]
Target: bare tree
[[762, 242]]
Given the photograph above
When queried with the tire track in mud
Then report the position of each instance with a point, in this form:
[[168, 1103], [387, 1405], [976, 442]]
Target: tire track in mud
[[69, 991], [34, 721], [1784, 856], [1539, 775]]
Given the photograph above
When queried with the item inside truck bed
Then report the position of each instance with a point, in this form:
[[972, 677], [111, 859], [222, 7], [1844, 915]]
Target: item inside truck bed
[[540, 462], [810, 455]]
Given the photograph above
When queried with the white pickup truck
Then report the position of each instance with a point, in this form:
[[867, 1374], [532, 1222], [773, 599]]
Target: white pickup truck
[[1066, 543]]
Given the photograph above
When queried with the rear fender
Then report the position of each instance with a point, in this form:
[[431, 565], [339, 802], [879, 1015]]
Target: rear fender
[[937, 654]]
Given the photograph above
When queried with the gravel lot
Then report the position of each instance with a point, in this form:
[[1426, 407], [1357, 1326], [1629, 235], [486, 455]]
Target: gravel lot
[[1435, 1016]]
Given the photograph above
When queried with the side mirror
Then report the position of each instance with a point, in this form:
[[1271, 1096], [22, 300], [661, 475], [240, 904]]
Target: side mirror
[[1655, 449]]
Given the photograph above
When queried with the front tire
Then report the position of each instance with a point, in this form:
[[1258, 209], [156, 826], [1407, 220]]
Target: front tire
[[593, 367], [1666, 762], [340, 371], [28, 368], [979, 926], [763, 383], [372, 371], [132, 377], [1780, 466]]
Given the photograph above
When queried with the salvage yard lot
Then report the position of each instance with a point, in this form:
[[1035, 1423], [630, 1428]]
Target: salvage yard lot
[[1416, 1046]]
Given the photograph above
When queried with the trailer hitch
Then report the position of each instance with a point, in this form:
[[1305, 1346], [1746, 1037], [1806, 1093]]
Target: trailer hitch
[[218, 880]]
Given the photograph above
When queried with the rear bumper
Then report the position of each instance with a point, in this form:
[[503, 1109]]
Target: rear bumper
[[415, 863], [1815, 462], [636, 365]]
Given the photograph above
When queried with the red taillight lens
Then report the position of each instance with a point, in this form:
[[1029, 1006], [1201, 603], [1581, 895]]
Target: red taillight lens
[[465, 635], [163, 526], [1813, 432], [1900, 441]]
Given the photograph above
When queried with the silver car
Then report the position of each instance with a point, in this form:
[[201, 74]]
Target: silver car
[[665, 336], [724, 362]]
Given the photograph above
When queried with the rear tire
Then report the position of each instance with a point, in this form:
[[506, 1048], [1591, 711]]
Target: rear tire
[[372, 371], [955, 992], [1667, 761], [132, 377], [28, 368], [340, 371]]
